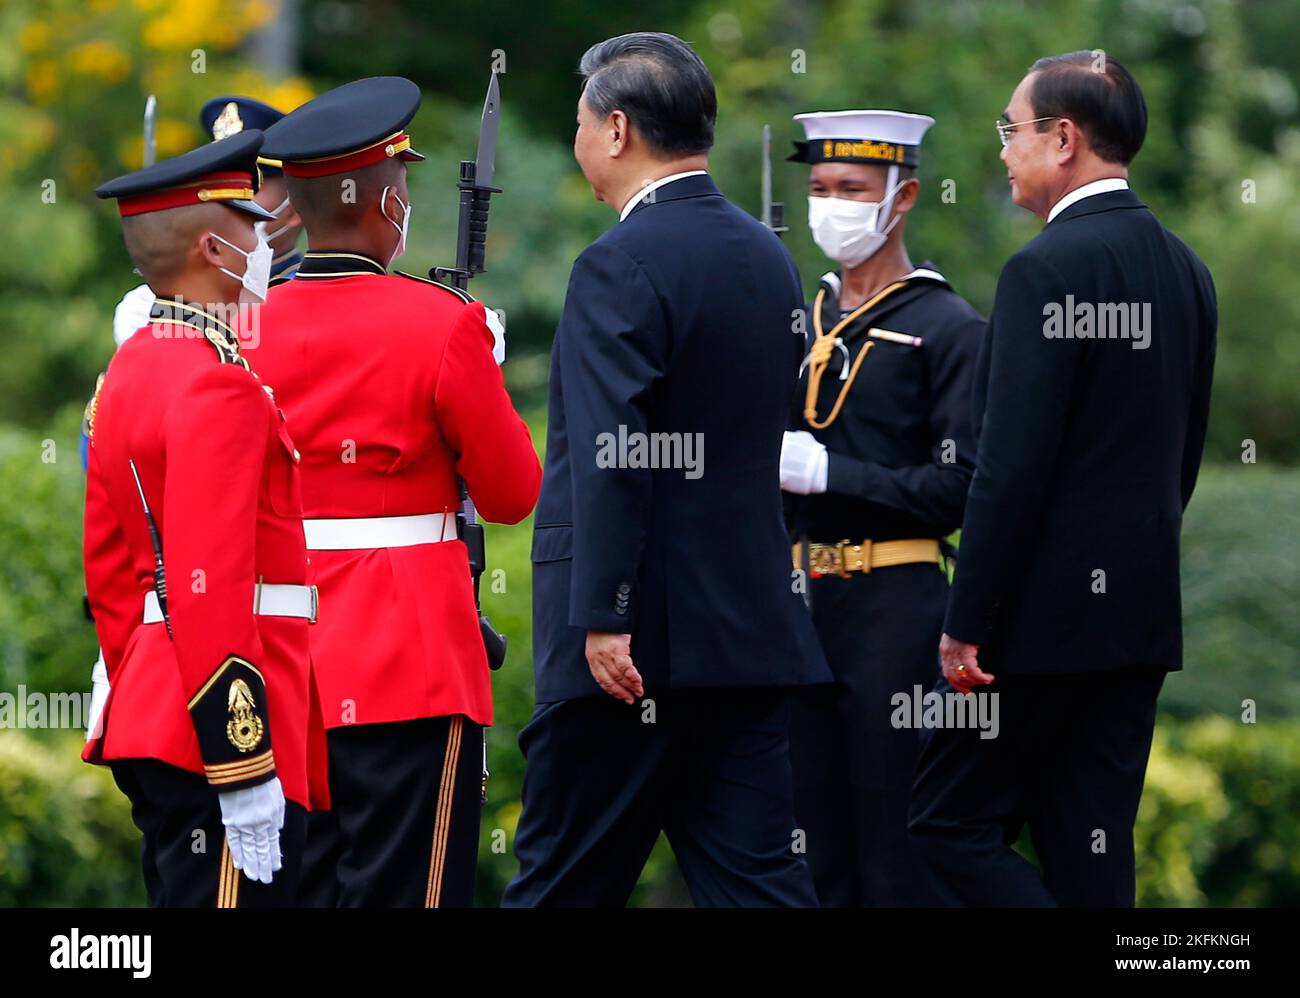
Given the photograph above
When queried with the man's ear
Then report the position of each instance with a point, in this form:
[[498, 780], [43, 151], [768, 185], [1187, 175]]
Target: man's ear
[[616, 127], [1067, 140], [907, 194], [209, 248], [391, 204]]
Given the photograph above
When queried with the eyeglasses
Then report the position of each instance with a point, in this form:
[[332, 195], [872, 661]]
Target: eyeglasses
[[1005, 127]]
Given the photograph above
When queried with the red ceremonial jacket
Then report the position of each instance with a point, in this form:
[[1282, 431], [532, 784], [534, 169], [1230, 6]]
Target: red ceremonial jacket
[[230, 694], [391, 392]]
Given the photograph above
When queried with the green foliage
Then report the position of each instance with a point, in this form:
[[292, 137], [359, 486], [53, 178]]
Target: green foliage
[[66, 837], [1241, 587], [1183, 803], [45, 640], [1220, 817], [1256, 856]]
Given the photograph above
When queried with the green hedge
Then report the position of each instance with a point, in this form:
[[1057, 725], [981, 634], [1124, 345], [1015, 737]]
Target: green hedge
[[66, 837]]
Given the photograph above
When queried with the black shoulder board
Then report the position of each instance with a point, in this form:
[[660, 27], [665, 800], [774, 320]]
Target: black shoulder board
[[464, 296]]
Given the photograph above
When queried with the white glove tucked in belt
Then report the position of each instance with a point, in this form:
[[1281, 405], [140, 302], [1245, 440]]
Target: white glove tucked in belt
[[804, 463], [498, 327], [253, 818], [98, 697]]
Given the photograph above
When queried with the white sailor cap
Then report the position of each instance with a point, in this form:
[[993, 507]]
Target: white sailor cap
[[889, 138]]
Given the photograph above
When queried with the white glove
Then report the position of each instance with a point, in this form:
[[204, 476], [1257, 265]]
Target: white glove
[[132, 312], [98, 696], [253, 818], [498, 327], [804, 464]]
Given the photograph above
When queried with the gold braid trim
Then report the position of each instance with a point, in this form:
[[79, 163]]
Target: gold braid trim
[[92, 408]]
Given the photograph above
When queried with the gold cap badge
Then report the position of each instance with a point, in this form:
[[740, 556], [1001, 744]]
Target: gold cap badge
[[228, 123]]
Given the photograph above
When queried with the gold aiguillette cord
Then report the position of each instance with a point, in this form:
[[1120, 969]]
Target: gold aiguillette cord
[[819, 356]]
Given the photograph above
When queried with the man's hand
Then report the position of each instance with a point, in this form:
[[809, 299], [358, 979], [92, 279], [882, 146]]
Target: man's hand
[[804, 463], [253, 819], [609, 656], [961, 665]]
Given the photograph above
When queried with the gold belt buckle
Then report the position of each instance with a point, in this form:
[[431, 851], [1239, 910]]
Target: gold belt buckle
[[826, 559], [315, 604]]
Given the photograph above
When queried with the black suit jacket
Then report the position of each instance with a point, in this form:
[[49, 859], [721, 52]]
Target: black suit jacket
[[678, 320], [1088, 449]]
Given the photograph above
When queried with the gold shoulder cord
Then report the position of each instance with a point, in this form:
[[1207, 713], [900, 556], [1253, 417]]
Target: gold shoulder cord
[[92, 408], [227, 349], [820, 355]]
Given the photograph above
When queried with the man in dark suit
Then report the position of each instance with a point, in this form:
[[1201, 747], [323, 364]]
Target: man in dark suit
[[667, 630], [1091, 399]]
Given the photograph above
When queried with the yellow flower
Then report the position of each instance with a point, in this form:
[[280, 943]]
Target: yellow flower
[[174, 137], [100, 59], [34, 36], [171, 137], [284, 95], [43, 82], [289, 94], [187, 24]]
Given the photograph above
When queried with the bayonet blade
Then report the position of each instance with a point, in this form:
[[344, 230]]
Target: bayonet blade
[[767, 176], [485, 163], [150, 142]]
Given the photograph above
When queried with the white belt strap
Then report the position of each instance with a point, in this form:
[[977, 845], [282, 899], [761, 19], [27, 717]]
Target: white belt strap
[[268, 601], [370, 532]]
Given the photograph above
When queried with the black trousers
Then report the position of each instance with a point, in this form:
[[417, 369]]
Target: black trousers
[[710, 768], [1069, 762], [852, 768], [184, 854], [403, 830]]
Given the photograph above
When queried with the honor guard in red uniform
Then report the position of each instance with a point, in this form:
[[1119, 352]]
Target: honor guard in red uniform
[[221, 117], [196, 567], [392, 394]]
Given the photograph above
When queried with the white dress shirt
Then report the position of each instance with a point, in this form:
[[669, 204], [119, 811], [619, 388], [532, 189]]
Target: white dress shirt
[[1104, 186], [645, 191]]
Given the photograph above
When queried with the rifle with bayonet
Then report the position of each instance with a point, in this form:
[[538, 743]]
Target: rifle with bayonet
[[476, 190], [773, 211]]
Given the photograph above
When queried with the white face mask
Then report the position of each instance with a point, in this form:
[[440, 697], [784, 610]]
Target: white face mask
[[272, 233], [402, 229], [846, 231], [256, 277]]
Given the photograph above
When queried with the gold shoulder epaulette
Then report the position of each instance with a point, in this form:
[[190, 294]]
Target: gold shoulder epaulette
[[464, 296], [92, 408], [227, 349]]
